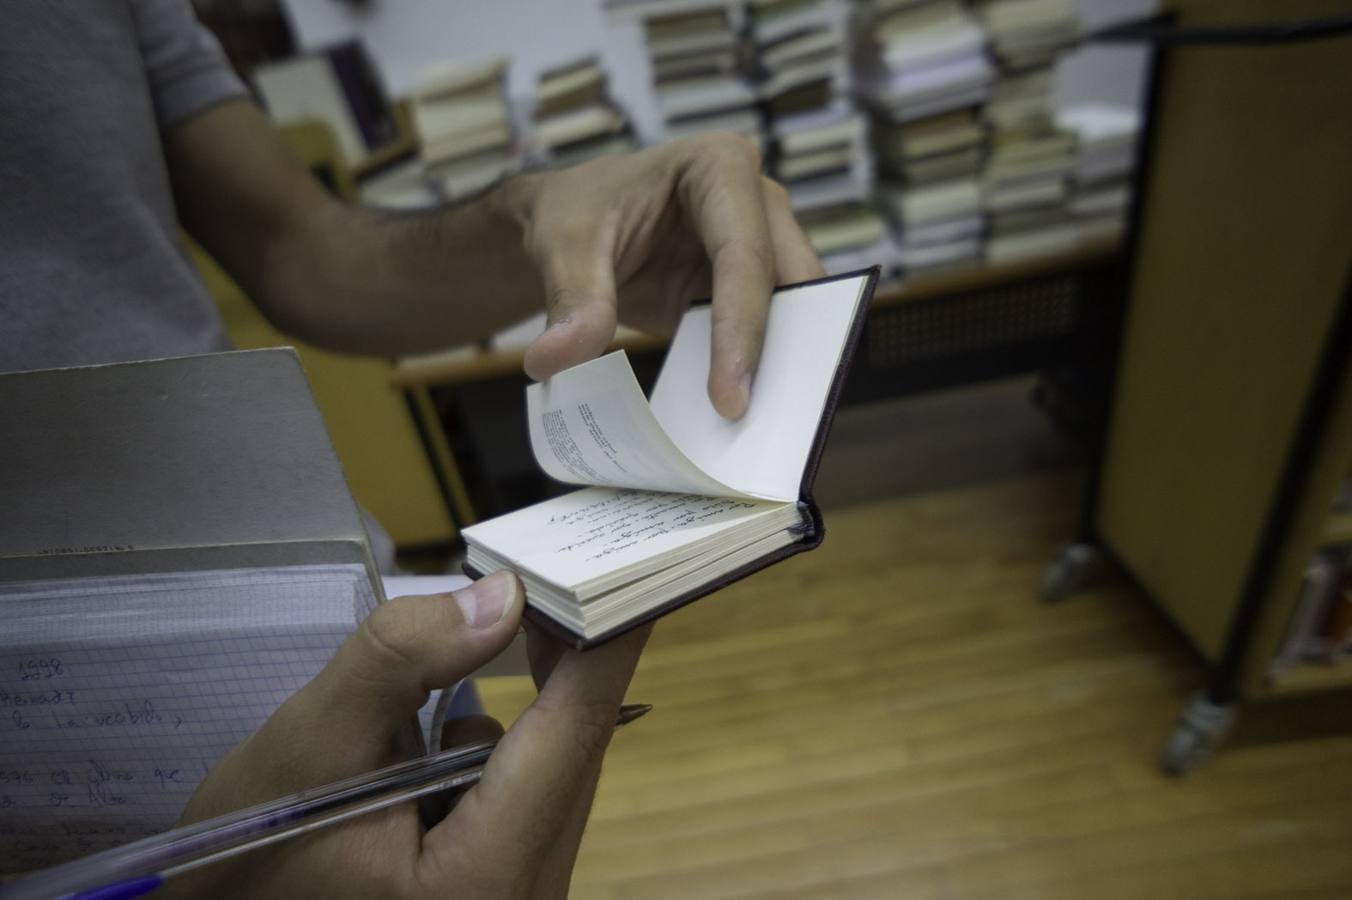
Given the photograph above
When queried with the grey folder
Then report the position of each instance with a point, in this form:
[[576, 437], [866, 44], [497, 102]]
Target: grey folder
[[200, 462], [179, 552]]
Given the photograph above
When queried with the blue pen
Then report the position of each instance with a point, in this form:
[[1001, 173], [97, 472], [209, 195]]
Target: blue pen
[[124, 890], [139, 867]]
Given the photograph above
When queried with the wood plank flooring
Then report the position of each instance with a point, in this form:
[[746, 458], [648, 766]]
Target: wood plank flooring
[[897, 715]]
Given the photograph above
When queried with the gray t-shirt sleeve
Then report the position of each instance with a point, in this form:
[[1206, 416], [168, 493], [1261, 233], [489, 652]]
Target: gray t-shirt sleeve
[[185, 67]]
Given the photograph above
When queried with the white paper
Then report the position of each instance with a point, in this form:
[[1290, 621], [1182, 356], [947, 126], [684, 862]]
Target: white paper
[[118, 695], [591, 424], [589, 534], [766, 451]]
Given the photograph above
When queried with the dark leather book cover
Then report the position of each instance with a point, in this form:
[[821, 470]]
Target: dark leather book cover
[[813, 529]]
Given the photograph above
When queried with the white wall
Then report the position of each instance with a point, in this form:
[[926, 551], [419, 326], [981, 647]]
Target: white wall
[[1104, 73], [404, 36]]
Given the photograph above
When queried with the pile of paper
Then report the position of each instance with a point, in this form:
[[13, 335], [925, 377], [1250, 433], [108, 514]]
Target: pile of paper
[[694, 56], [1025, 183], [575, 119], [464, 126], [1101, 184]]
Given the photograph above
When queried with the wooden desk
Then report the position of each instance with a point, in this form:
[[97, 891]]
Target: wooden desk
[[456, 367]]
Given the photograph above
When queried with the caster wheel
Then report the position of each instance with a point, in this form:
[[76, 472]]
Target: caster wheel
[[1185, 750], [1067, 573], [1201, 727]]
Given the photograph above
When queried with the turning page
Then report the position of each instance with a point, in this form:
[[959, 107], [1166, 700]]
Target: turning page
[[591, 424]]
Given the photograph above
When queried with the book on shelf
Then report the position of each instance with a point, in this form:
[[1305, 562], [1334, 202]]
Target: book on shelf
[[923, 59], [1320, 629], [464, 127], [844, 227], [677, 501], [575, 119], [179, 553], [1026, 33]]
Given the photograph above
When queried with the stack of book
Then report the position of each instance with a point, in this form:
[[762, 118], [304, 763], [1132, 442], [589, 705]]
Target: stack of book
[[1025, 184], [940, 224], [926, 74], [1103, 178], [1025, 193], [464, 126], [921, 59], [695, 59], [818, 140], [848, 236], [575, 119], [1321, 626], [1028, 35]]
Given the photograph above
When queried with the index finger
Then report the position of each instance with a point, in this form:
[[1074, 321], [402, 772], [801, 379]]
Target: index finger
[[720, 187], [532, 788]]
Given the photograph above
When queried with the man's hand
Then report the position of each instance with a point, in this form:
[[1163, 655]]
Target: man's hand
[[513, 835], [642, 235], [639, 235]]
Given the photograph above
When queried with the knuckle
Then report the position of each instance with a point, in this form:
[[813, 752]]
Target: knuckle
[[775, 192], [392, 632], [727, 148], [755, 252]]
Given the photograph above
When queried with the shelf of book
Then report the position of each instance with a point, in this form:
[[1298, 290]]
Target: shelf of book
[[1306, 677], [467, 364], [1337, 529]]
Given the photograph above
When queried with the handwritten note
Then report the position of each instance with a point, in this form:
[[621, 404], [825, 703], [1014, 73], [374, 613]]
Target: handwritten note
[[118, 695]]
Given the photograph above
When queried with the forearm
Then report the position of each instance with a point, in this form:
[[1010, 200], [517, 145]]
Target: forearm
[[341, 276], [393, 283]]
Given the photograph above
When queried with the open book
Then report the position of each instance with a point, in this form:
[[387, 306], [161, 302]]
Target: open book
[[679, 501]]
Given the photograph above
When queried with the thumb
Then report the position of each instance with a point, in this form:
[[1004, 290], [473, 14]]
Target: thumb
[[382, 675], [579, 279]]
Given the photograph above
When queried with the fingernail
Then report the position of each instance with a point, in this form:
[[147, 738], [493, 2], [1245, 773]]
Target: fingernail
[[486, 601]]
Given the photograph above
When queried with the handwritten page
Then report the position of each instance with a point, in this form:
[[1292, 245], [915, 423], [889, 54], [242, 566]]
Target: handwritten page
[[592, 425], [109, 719], [590, 535]]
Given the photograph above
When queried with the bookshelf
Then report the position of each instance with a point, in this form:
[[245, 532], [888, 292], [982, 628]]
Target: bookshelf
[[1337, 529], [1231, 426]]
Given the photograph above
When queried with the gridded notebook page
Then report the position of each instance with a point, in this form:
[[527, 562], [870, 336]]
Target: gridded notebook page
[[117, 695]]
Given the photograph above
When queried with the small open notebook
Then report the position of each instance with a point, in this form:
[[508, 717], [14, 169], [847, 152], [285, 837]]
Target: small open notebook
[[679, 501]]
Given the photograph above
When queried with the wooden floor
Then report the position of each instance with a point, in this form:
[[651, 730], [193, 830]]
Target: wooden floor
[[896, 715]]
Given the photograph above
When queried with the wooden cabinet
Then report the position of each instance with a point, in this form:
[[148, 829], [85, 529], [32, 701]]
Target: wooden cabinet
[[1231, 426]]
